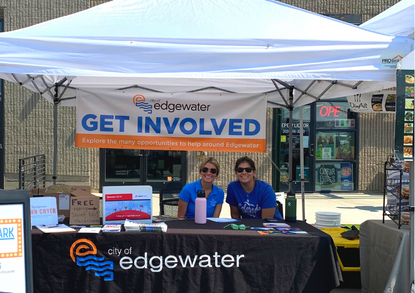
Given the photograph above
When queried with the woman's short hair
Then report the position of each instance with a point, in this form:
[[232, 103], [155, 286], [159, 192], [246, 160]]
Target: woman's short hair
[[209, 160], [245, 160]]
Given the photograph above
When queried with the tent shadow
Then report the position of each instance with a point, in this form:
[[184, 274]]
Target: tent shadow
[[364, 208]]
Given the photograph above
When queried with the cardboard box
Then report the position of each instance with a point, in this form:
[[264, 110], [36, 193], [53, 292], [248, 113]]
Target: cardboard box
[[83, 208], [36, 191], [62, 202], [85, 188]]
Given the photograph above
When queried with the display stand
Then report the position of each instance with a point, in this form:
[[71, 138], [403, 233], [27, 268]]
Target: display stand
[[16, 268], [396, 193]]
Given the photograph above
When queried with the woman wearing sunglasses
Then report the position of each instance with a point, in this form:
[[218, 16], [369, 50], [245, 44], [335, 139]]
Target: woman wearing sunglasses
[[208, 170], [248, 197]]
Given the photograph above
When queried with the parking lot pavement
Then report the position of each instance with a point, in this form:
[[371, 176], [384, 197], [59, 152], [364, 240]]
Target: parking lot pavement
[[354, 208]]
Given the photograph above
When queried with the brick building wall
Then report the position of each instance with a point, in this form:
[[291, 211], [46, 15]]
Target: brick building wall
[[29, 118]]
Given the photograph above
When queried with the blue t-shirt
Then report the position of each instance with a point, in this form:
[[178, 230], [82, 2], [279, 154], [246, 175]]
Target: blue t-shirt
[[250, 207], [189, 194]]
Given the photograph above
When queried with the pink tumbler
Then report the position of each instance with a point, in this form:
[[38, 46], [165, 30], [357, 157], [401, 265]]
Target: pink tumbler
[[200, 207]]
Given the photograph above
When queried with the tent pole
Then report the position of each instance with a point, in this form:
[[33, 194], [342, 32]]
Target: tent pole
[[290, 143], [302, 161], [55, 133]]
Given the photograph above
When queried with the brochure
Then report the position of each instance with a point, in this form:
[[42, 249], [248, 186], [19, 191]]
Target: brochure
[[55, 228], [277, 225], [291, 231], [90, 230], [111, 228]]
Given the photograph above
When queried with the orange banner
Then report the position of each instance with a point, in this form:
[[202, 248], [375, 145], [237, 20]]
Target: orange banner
[[170, 143]]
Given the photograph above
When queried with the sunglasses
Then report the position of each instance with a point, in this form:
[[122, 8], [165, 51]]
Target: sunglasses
[[248, 170], [205, 169]]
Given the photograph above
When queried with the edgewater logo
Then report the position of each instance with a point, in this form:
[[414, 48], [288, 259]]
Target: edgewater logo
[[139, 101], [171, 107], [83, 252]]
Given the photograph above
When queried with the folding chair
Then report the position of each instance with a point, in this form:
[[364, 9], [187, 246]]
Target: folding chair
[[280, 208], [169, 201]]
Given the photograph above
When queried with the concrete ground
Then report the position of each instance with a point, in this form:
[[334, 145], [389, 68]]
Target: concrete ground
[[355, 208]]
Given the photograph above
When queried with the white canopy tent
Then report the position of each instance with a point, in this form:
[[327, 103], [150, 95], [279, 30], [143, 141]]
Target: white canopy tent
[[248, 46], [397, 20], [244, 46]]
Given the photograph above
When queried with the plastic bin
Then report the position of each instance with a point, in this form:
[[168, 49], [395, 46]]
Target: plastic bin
[[348, 255]]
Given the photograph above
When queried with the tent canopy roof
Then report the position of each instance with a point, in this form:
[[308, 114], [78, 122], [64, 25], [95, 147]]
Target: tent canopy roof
[[250, 46]]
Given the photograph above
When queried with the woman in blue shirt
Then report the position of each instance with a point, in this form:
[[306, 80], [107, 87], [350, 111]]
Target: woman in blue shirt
[[248, 197], [208, 170]]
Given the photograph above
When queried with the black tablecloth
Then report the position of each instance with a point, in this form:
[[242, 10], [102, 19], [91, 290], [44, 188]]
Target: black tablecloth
[[187, 258]]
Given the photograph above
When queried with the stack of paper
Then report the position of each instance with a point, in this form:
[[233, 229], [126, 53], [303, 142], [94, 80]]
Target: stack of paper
[[89, 230], [55, 228], [277, 225], [113, 228], [139, 227]]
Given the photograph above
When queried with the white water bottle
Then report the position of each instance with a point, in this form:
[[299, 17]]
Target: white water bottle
[[200, 207]]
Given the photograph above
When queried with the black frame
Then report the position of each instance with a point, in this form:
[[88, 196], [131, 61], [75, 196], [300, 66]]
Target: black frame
[[2, 126], [354, 161], [22, 197]]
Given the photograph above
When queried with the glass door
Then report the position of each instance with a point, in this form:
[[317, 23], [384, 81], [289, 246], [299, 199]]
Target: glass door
[[160, 169], [164, 169], [308, 144], [336, 146]]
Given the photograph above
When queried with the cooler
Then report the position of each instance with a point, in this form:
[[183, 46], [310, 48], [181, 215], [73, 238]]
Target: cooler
[[348, 256]]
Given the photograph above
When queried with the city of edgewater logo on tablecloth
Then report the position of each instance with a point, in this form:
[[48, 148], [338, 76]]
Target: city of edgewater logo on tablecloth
[[182, 121], [84, 253], [11, 238]]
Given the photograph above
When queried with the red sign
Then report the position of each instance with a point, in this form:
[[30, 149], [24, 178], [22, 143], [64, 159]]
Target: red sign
[[330, 111], [346, 171]]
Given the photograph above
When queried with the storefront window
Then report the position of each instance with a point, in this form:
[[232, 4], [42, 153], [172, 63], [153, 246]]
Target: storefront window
[[334, 176], [334, 115], [335, 145]]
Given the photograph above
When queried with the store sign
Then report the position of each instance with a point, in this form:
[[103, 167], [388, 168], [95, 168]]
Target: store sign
[[330, 111], [285, 128], [327, 174], [346, 176], [181, 122], [404, 130], [374, 102]]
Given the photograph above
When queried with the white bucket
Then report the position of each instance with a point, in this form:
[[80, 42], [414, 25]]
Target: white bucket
[[327, 220]]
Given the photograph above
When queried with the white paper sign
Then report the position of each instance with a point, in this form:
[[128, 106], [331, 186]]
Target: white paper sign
[[132, 203], [326, 153], [12, 258], [64, 202], [43, 211]]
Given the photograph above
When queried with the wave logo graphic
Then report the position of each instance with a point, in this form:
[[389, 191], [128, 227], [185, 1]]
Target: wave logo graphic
[[139, 101], [83, 252]]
